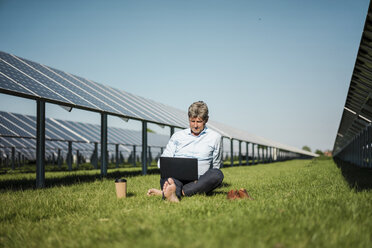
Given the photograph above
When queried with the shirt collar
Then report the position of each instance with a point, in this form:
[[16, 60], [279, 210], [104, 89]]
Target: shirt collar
[[202, 132]]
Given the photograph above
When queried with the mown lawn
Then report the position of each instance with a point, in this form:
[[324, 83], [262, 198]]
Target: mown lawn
[[297, 204]]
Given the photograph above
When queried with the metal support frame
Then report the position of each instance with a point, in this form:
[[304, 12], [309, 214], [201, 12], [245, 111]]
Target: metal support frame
[[77, 158], [59, 158], [19, 159], [13, 157], [40, 144], [359, 150], [117, 155], [246, 152], [232, 152], [144, 147], [134, 160], [104, 157], [369, 146], [95, 156], [171, 131], [149, 155], [253, 157], [69, 156], [240, 153]]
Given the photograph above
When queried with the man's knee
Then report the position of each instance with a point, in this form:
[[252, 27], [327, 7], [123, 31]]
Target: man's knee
[[215, 175]]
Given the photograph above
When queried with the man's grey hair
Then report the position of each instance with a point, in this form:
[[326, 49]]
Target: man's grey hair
[[199, 109]]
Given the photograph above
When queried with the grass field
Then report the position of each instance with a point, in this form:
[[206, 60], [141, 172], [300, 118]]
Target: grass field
[[297, 204]]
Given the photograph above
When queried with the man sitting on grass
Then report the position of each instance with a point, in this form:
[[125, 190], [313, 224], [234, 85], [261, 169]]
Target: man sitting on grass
[[195, 142]]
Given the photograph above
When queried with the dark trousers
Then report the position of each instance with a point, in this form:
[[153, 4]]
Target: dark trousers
[[205, 184]]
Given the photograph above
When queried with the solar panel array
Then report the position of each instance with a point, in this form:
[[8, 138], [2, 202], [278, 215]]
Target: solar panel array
[[19, 131], [357, 113], [21, 77], [28, 79]]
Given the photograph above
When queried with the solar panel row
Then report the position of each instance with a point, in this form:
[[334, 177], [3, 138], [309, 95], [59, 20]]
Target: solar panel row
[[23, 126], [27, 148], [357, 113], [33, 80]]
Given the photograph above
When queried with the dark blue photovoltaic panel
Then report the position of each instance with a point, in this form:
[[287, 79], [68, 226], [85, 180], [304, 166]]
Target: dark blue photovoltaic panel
[[18, 130], [131, 104], [100, 101], [63, 88], [9, 85], [27, 120], [13, 118], [5, 131], [16, 142], [72, 126], [56, 88], [132, 109], [161, 116], [122, 136], [29, 83], [99, 91], [69, 90], [55, 130], [90, 131]]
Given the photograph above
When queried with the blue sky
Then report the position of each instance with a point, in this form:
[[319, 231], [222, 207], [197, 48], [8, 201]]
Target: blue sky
[[277, 69]]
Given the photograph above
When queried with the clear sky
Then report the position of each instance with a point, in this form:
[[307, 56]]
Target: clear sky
[[276, 69]]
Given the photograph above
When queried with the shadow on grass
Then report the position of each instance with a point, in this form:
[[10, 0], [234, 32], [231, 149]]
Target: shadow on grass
[[216, 193], [358, 178], [23, 184]]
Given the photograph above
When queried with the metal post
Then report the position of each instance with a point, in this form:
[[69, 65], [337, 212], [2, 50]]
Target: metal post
[[59, 158], [13, 158], [117, 155], [360, 150], [270, 154], [134, 157], [77, 159], [369, 146], [19, 159], [240, 153], [232, 152], [246, 152], [253, 158], [69, 156], [104, 158], [40, 144], [95, 156], [171, 131], [149, 156], [53, 158], [144, 147]]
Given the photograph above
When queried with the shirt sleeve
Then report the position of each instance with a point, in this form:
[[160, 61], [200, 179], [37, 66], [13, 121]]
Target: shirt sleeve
[[170, 149], [217, 154]]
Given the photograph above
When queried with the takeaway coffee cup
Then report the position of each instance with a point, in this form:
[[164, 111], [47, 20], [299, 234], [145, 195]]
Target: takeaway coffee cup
[[121, 187]]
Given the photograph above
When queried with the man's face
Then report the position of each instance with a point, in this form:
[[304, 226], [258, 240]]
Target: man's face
[[197, 125]]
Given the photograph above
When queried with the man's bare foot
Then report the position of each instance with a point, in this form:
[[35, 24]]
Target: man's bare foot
[[169, 190], [152, 192]]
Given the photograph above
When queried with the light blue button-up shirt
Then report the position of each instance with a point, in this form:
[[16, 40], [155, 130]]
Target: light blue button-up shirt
[[206, 147]]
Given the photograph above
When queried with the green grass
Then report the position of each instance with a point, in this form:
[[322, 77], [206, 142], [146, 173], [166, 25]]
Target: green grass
[[297, 204]]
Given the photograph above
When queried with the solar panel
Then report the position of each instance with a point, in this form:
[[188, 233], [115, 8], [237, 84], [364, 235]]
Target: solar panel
[[59, 84], [19, 76], [60, 130]]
